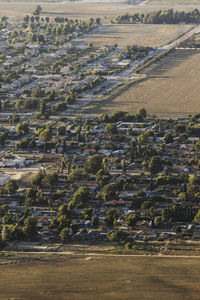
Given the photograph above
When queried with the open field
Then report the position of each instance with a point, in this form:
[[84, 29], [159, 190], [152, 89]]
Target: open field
[[102, 277], [141, 34], [167, 91], [74, 10], [81, 10], [174, 2]]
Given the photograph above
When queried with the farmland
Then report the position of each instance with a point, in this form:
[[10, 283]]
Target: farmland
[[151, 35], [172, 2], [83, 10], [102, 277], [167, 90], [76, 10]]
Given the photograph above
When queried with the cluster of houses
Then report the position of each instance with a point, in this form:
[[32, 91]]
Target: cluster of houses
[[129, 166], [126, 155], [56, 64]]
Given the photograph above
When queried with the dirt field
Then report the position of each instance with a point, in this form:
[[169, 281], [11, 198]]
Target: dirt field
[[102, 277], [75, 10], [174, 2], [168, 90], [80, 10], [145, 35]]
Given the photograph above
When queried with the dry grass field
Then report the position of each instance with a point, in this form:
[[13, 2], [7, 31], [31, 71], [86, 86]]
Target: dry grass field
[[75, 10], [80, 9], [171, 89], [102, 277], [141, 34], [174, 2]]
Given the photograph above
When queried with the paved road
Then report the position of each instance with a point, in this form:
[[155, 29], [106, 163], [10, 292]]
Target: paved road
[[30, 85], [181, 39]]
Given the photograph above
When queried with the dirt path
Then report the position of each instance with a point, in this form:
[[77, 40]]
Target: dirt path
[[83, 253]]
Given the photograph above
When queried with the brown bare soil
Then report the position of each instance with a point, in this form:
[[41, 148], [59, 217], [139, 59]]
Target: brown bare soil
[[83, 9], [145, 35], [102, 277], [74, 10], [174, 2], [171, 89]]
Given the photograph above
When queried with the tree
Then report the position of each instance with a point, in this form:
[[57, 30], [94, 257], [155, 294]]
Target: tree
[[31, 195], [157, 222], [22, 128], [37, 180], [45, 135], [197, 218], [143, 137], [93, 164], [103, 177], [63, 210], [61, 130], [104, 118], [11, 186], [36, 93], [41, 38], [29, 202], [3, 138], [180, 128], [7, 219], [37, 10], [76, 174], [95, 221], [118, 116], [110, 191], [4, 210], [81, 195], [62, 222], [6, 104], [51, 179], [64, 235], [178, 230], [193, 185], [123, 164], [111, 215], [111, 129], [15, 118], [141, 114], [168, 138], [12, 233], [33, 37], [155, 165], [131, 220], [87, 213], [30, 227], [5, 233], [98, 21], [116, 236], [26, 19]]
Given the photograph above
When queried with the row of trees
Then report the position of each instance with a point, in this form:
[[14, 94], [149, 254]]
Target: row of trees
[[169, 16], [117, 116]]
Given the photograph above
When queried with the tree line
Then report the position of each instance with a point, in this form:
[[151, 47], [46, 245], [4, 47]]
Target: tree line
[[169, 16]]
